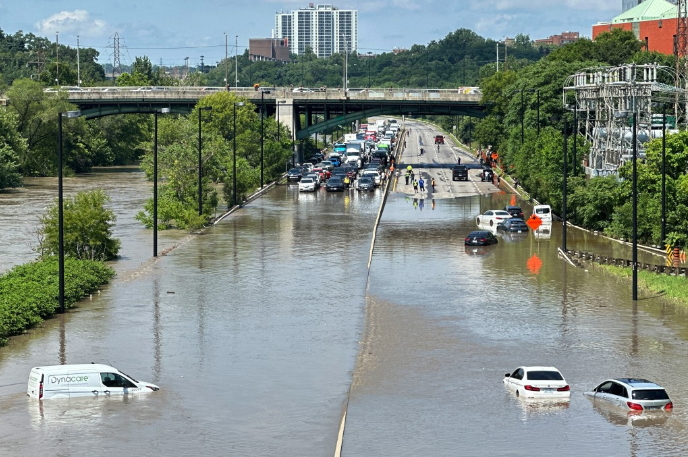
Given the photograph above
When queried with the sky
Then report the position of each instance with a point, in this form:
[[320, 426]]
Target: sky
[[168, 31]]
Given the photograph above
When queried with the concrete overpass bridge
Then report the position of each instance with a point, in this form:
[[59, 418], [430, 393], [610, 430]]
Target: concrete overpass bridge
[[303, 111]]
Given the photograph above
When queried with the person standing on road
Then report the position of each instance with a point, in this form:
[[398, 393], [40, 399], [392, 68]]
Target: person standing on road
[[415, 186], [413, 176], [407, 175], [421, 184], [459, 161], [432, 183]]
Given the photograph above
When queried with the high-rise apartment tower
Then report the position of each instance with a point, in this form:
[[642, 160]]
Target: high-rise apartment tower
[[325, 29]]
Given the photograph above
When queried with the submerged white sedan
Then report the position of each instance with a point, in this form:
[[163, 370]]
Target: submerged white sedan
[[538, 383], [493, 217]]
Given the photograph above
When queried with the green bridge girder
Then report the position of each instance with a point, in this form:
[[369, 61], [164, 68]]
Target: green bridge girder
[[387, 110]]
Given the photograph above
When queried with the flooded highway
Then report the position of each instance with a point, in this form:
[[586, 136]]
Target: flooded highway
[[257, 329]]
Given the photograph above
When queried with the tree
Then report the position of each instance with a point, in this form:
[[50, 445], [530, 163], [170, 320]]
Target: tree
[[12, 147], [87, 228]]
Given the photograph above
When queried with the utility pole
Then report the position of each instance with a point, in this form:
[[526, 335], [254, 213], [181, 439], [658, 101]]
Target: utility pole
[[202, 67], [236, 62], [57, 58], [78, 67], [226, 64], [186, 67], [497, 57]]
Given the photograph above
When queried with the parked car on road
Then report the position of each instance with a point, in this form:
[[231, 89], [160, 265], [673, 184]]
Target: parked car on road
[[365, 183], [460, 172], [513, 225], [632, 394], [537, 382], [439, 139], [480, 238], [307, 184], [335, 184], [492, 217], [294, 174]]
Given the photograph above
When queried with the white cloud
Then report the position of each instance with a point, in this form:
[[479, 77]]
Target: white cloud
[[77, 22]]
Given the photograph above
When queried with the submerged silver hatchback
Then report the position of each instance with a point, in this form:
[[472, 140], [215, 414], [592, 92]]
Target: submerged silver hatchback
[[632, 394]]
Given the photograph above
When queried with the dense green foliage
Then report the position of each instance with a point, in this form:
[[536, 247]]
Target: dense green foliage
[[29, 293], [457, 60], [32, 57], [87, 228], [602, 204], [178, 159]]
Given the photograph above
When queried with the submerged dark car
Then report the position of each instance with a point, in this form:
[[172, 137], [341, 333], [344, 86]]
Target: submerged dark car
[[480, 238], [515, 211], [513, 225], [335, 184]]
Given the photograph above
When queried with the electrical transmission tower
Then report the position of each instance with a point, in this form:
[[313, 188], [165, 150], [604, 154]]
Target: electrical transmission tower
[[116, 63], [608, 98], [681, 47]]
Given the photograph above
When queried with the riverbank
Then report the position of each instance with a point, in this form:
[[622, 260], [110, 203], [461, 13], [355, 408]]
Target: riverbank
[[29, 291], [672, 287]]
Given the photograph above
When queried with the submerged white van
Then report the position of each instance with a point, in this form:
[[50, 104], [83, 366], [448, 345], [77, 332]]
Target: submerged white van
[[544, 212], [85, 380]]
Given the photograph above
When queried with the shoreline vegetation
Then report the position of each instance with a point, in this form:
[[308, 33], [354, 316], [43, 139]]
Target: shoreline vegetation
[[670, 287], [29, 292]]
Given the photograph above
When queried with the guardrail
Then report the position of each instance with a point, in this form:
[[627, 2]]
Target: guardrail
[[76, 94], [579, 256]]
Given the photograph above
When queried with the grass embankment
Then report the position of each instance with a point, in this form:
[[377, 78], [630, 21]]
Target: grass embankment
[[29, 293], [674, 287]]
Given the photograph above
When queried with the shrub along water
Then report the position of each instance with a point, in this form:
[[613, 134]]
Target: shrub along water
[[29, 293]]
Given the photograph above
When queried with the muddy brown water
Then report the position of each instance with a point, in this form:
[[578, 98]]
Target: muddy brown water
[[257, 329]]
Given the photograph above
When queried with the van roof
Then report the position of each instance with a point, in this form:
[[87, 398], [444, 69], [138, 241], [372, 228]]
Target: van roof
[[78, 367]]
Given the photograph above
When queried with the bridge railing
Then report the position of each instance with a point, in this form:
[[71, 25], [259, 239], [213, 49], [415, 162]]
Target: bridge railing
[[161, 93]]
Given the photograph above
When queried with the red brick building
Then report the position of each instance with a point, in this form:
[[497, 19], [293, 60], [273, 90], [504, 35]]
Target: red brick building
[[558, 40], [653, 22]]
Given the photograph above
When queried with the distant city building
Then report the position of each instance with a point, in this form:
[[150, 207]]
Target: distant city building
[[560, 40], [628, 4], [275, 49], [325, 29], [652, 22]]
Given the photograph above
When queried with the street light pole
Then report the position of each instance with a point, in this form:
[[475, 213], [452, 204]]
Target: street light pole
[[155, 179], [60, 216], [522, 115], [565, 189], [538, 112], [234, 184], [155, 183], [664, 175], [575, 139], [262, 116], [60, 211], [200, 160], [635, 205]]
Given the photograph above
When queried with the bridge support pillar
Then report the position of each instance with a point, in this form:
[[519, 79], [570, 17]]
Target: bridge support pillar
[[285, 114]]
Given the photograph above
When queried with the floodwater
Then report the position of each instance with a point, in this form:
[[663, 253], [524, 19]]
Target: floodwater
[[251, 329], [444, 323], [256, 329]]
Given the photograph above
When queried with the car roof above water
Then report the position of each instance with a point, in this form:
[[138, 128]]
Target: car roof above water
[[52, 369]]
